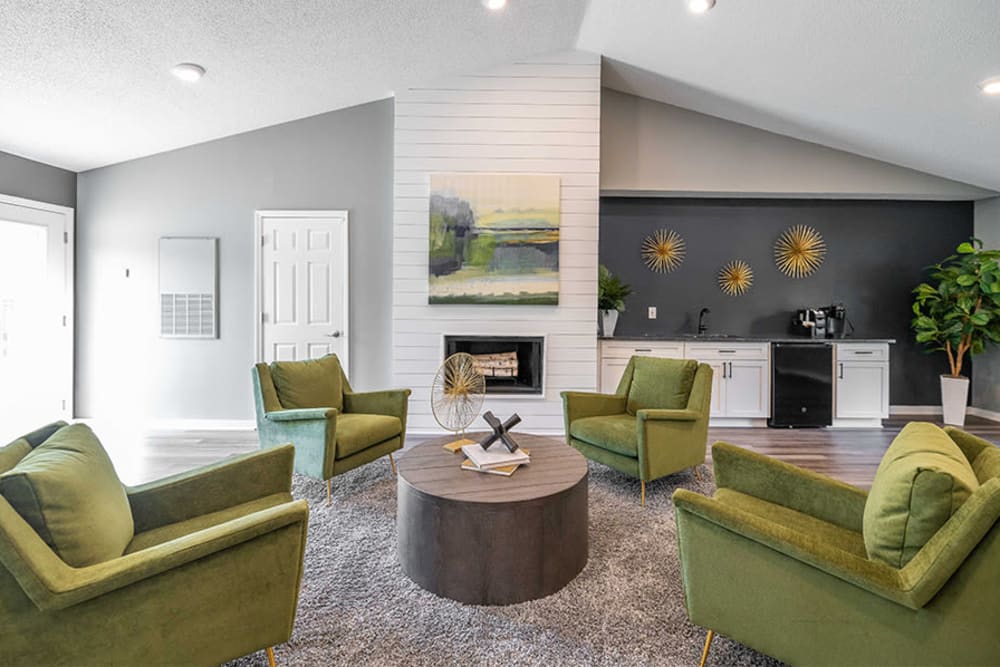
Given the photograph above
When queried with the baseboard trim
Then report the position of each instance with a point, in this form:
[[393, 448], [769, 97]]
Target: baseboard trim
[[914, 409], [984, 413]]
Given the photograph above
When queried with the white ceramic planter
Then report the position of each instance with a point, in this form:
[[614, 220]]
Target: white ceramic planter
[[609, 320], [954, 396]]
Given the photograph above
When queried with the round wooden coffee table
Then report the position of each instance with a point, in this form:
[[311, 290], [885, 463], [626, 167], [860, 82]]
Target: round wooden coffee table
[[487, 539]]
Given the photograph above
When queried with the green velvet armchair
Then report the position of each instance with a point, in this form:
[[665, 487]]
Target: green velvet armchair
[[779, 559], [333, 429], [654, 425], [195, 569]]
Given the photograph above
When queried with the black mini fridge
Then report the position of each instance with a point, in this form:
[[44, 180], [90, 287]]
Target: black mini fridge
[[801, 385]]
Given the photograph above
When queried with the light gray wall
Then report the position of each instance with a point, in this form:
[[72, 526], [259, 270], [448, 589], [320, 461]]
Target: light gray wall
[[986, 379], [20, 177], [338, 160], [657, 148]]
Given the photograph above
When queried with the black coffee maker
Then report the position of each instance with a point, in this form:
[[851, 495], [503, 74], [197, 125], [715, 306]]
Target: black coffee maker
[[823, 322], [836, 321]]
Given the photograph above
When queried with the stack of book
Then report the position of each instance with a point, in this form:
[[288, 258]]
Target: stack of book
[[495, 461]]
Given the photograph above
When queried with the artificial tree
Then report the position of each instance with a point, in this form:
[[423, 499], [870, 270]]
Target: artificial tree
[[611, 294], [958, 312]]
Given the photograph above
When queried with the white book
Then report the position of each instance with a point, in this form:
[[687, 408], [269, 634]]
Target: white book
[[494, 457]]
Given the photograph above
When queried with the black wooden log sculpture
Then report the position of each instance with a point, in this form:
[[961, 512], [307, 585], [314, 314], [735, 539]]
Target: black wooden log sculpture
[[501, 431]]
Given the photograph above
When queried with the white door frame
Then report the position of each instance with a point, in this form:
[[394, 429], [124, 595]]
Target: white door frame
[[69, 255], [333, 216]]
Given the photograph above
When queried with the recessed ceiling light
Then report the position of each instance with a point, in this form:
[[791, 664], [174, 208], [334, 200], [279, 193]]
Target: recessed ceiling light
[[991, 86], [495, 5], [700, 6], [189, 72]]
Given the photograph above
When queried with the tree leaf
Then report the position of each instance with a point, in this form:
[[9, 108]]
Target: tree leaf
[[965, 248]]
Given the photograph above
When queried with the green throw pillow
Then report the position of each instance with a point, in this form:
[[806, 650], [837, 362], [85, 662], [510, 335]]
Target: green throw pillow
[[660, 383], [13, 453], [922, 480], [66, 489], [314, 383]]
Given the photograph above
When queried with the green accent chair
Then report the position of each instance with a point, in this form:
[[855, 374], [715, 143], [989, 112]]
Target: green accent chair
[[654, 425], [195, 569], [311, 405], [813, 571]]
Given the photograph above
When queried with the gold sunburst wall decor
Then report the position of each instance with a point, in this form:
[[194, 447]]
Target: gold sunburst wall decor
[[735, 278], [799, 251], [663, 250]]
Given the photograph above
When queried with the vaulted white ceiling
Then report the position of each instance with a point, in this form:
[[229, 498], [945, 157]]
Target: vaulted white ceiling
[[85, 83], [896, 80]]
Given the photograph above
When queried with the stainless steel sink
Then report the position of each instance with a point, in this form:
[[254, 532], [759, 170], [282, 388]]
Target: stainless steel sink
[[709, 336]]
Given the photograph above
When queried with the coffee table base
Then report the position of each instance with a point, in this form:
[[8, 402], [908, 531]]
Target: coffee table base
[[492, 553]]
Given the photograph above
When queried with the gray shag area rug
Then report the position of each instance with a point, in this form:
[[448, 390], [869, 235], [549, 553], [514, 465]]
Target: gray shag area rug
[[356, 606]]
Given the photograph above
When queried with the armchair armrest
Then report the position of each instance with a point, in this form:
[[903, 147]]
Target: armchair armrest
[[784, 484], [52, 584], [391, 402], [300, 414], [211, 488], [581, 404], [680, 415], [874, 576]]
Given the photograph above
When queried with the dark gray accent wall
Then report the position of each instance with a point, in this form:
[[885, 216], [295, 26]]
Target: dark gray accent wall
[[338, 160], [21, 177], [876, 254]]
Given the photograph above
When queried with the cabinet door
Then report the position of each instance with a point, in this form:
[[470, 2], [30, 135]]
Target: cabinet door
[[611, 374], [862, 390], [746, 391], [718, 389]]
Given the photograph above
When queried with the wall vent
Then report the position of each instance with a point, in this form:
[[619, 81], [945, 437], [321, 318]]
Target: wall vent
[[189, 287]]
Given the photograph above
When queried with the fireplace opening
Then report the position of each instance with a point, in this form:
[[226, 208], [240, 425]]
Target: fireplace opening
[[510, 364]]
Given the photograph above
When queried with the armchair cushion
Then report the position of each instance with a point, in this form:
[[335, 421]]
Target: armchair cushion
[[66, 489], [357, 432], [314, 383], [616, 433], [922, 480], [987, 464], [11, 454], [660, 383]]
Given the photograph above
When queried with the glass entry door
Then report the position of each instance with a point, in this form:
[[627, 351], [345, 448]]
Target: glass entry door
[[36, 341]]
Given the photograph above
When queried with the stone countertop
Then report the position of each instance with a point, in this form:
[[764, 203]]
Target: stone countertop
[[752, 338]]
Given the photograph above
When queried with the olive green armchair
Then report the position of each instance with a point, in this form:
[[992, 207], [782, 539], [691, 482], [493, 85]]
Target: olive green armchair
[[792, 563], [195, 569], [333, 429], [654, 425]]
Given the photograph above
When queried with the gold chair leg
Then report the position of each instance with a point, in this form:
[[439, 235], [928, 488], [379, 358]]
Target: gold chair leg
[[704, 652], [643, 492], [392, 464], [270, 656], [697, 473], [329, 493]]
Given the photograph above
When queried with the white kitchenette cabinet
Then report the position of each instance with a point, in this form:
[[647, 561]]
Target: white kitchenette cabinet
[[741, 380], [861, 377]]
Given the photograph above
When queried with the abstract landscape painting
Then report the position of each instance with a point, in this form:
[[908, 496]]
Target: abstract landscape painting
[[494, 239]]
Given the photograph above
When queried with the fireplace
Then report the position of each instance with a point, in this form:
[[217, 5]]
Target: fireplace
[[510, 364]]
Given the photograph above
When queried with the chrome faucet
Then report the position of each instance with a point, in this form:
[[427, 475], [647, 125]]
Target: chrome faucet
[[702, 325]]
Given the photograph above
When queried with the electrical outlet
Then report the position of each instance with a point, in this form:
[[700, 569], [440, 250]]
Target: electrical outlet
[[651, 312]]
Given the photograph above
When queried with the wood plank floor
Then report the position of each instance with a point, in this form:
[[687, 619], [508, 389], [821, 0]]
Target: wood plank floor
[[849, 455]]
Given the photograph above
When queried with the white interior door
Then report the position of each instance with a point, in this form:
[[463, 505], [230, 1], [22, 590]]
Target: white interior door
[[303, 285], [36, 307]]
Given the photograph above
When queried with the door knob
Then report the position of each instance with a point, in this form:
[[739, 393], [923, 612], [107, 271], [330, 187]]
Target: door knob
[[335, 334]]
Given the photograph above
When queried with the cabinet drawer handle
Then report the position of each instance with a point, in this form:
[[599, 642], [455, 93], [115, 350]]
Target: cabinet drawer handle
[[723, 370], [727, 351], [864, 352], [841, 374], [643, 349]]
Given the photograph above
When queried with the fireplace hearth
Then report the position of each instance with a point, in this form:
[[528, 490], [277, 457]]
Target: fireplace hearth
[[511, 364]]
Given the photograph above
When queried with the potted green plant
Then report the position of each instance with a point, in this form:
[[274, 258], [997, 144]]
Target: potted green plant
[[611, 294], [958, 312]]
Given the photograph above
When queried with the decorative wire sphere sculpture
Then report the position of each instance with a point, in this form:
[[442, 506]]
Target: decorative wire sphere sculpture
[[457, 393]]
